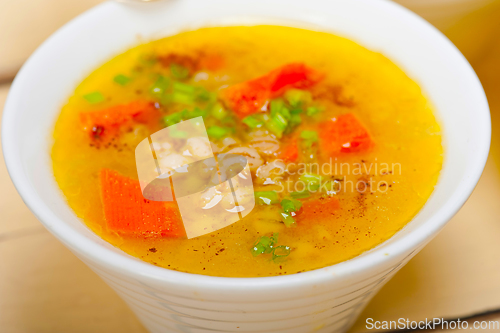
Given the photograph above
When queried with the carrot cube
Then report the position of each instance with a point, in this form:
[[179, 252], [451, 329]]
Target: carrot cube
[[103, 125], [315, 210], [249, 97], [344, 134], [291, 152], [128, 212]]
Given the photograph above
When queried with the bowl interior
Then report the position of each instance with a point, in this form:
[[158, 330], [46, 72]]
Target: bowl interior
[[52, 73]]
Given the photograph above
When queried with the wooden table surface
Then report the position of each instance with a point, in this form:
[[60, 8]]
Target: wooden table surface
[[44, 288]]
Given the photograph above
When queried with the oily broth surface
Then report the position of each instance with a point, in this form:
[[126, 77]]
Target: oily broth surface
[[389, 104]]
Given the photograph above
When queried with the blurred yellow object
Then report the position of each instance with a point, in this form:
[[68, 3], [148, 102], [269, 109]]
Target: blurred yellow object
[[444, 13], [25, 24], [470, 24]]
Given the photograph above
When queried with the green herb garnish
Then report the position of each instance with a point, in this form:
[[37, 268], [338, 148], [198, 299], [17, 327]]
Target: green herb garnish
[[313, 181], [203, 95], [287, 219], [217, 132], [267, 197], [196, 112], [281, 252], [94, 97], [311, 178], [300, 194], [277, 106], [295, 120], [173, 118], [309, 135], [179, 72], [312, 110], [160, 86], [277, 124], [264, 244], [184, 93], [182, 98], [218, 111], [253, 122], [291, 205], [296, 97], [184, 88], [176, 134], [309, 138], [121, 79]]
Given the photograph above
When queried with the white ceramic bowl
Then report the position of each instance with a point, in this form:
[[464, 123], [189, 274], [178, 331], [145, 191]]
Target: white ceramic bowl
[[323, 300]]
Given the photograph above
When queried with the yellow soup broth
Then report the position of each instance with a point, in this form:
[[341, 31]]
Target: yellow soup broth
[[378, 190]]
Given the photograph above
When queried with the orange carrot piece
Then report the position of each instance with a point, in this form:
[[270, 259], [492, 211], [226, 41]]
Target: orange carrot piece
[[344, 134], [128, 212], [249, 97], [291, 152], [104, 124], [294, 75], [212, 62], [315, 210]]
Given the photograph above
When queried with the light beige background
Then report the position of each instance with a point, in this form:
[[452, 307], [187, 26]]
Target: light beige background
[[44, 288]]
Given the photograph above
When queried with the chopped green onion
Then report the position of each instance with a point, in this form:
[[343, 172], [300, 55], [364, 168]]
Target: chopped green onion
[[296, 97], [176, 134], [332, 187], [296, 111], [313, 187], [291, 205], [312, 110], [313, 181], [309, 135], [300, 194], [281, 251], [187, 94], [204, 95], [160, 86], [277, 124], [196, 112], [275, 106], [285, 113], [218, 111], [230, 122], [264, 244], [280, 116], [173, 118], [295, 120], [266, 197], [310, 178], [217, 132], [182, 98], [287, 219], [179, 72], [121, 79], [253, 122], [258, 249], [148, 59], [184, 88], [94, 97], [287, 205]]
